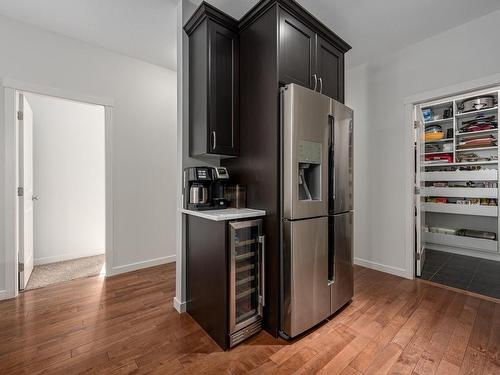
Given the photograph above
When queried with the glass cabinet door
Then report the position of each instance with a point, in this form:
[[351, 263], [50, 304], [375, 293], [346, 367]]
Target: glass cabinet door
[[246, 271]]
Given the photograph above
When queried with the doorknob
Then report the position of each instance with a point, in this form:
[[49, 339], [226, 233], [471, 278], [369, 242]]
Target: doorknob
[[36, 197]]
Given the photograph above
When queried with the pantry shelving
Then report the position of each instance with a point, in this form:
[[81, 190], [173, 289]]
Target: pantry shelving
[[475, 149], [465, 134], [493, 162], [480, 175], [438, 121], [438, 153], [462, 242], [441, 140], [477, 112], [459, 192], [458, 175], [462, 209]]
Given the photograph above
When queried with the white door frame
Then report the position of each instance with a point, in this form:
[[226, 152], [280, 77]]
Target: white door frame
[[10, 87], [410, 102]]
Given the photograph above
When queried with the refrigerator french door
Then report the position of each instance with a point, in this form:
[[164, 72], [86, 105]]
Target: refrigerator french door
[[316, 206], [305, 145], [340, 235], [247, 296]]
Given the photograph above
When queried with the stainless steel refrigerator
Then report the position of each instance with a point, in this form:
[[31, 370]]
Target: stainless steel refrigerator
[[317, 210]]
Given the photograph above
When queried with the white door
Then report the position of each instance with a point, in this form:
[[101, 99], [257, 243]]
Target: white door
[[25, 193], [419, 185]]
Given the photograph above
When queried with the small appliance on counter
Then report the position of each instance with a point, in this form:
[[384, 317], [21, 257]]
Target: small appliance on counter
[[204, 188], [221, 183]]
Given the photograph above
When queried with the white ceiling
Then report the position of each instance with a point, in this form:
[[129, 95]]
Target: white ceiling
[[146, 29], [374, 27], [143, 29]]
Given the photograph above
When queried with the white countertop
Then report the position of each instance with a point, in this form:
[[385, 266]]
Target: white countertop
[[226, 214]]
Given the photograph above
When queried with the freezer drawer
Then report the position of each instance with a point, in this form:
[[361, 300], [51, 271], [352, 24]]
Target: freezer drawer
[[306, 293], [341, 251]]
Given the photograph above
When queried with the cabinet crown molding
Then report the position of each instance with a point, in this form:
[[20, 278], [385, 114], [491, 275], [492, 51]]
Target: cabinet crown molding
[[206, 10], [299, 11]]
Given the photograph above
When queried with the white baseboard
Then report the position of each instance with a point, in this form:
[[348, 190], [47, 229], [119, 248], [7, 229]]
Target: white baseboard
[[471, 253], [68, 256], [4, 294], [140, 265], [383, 268], [181, 307]]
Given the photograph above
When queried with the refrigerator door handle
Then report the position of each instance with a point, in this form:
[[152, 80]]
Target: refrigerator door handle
[[332, 140], [315, 82]]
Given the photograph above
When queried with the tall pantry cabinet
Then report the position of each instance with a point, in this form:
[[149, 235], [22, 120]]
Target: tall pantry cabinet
[[236, 71], [280, 43]]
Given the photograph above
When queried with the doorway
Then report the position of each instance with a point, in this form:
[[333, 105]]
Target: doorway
[[61, 163], [456, 192]]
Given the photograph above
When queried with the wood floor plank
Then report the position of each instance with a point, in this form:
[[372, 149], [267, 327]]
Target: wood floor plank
[[127, 325]]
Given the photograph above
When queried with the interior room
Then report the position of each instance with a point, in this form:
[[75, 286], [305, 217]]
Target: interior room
[[249, 187], [68, 196]]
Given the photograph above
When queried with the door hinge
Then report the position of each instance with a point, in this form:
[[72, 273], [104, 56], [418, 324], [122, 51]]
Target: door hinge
[[417, 256], [417, 190], [416, 124], [20, 115], [20, 191], [20, 267]]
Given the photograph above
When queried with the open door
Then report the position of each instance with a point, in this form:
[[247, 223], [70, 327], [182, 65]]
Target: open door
[[25, 190], [419, 185]]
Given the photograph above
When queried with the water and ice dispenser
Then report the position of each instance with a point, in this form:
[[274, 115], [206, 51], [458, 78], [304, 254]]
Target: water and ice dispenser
[[309, 174]]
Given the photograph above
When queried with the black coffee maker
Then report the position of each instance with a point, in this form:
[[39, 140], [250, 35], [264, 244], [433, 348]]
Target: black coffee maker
[[204, 188], [221, 181]]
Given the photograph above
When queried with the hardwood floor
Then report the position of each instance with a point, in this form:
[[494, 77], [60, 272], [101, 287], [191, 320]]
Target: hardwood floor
[[126, 324]]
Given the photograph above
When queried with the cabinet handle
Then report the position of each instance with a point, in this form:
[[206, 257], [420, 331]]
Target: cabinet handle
[[214, 140], [315, 81], [320, 85], [262, 240]]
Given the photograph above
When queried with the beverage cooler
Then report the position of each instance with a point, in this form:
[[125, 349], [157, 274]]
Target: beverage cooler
[[246, 284]]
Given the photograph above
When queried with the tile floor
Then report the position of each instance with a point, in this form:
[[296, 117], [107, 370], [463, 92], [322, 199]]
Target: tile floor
[[463, 272]]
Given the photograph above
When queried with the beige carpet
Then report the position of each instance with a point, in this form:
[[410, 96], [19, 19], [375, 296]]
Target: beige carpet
[[55, 273]]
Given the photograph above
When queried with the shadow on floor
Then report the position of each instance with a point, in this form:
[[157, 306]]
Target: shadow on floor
[[463, 272]]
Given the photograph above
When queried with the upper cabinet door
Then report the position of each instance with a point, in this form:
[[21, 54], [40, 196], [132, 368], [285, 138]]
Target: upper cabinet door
[[296, 51], [223, 87], [330, 70]]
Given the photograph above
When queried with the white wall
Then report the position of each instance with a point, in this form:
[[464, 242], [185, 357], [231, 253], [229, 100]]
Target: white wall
[[68, 171], [144, 132], [377, 91]]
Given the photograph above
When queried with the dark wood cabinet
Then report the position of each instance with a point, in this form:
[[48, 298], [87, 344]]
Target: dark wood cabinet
[[276, 43], [330, 69], [207, 276], [224, 277], [297, 51], [213, 83], [308, 59]]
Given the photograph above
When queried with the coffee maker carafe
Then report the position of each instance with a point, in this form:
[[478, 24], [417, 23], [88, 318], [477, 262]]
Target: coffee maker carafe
[[198, 183]]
